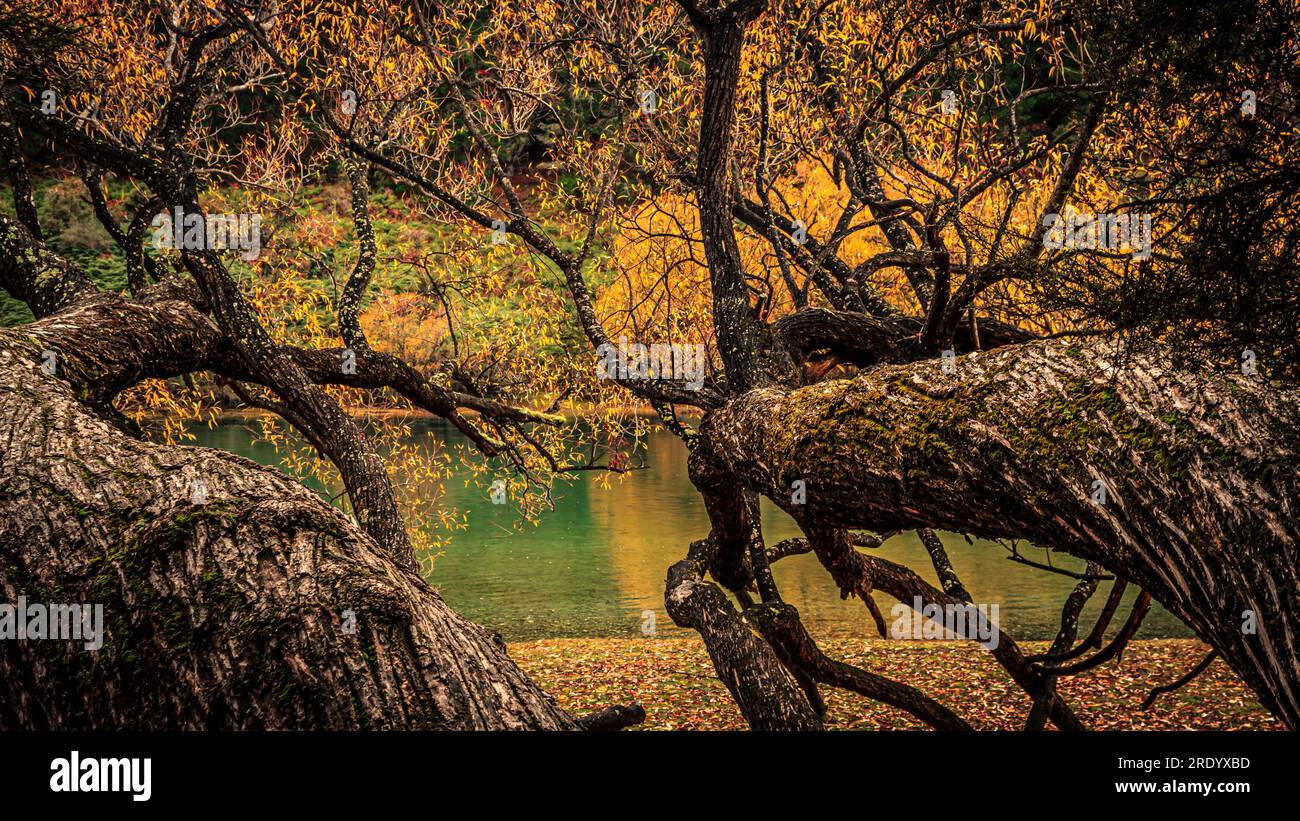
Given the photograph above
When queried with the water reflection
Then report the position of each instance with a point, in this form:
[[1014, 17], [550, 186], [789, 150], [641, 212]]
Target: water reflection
[[595, 563]]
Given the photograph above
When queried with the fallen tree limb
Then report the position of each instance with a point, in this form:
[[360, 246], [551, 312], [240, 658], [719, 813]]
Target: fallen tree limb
[[614, 717]]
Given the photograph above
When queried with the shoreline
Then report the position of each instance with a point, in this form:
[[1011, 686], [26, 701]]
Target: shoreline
[[235, 415]]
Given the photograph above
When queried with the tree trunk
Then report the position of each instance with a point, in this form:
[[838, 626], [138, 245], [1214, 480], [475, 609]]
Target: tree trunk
[[226, 603], [1182, 483]]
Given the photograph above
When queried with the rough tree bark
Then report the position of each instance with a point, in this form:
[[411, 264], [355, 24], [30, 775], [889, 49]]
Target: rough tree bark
[[1200, 491], [223, 614]]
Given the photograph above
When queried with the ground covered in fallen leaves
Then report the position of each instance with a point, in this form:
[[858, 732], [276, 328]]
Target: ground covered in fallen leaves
[[675, 682]]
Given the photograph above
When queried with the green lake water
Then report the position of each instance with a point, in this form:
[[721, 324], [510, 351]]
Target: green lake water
[[596, 563]]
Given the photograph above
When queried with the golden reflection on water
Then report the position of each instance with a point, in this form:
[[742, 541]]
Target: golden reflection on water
[[592, 566]]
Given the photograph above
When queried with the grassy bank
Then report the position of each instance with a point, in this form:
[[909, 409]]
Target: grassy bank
[[675, 682]]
